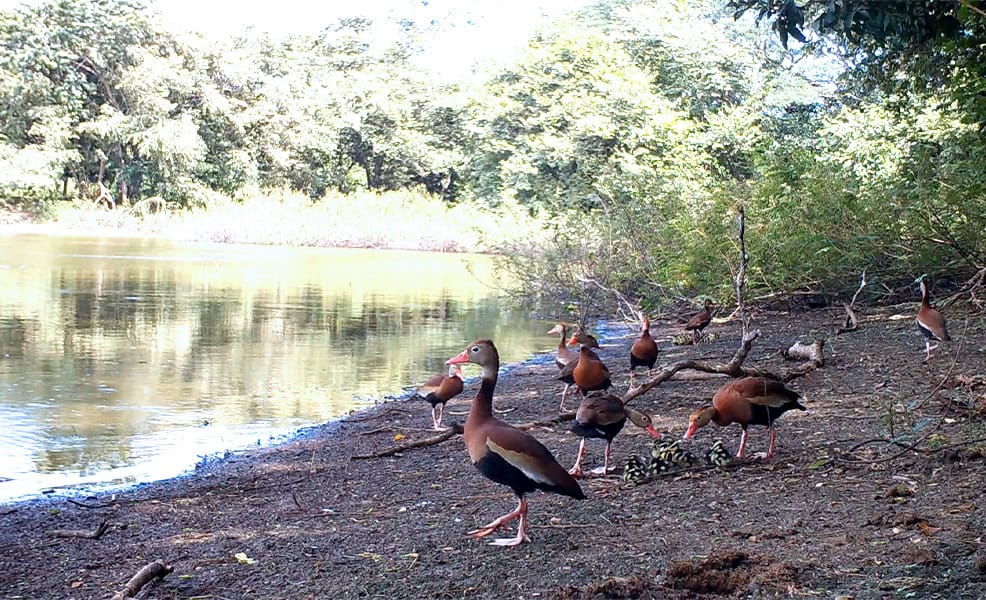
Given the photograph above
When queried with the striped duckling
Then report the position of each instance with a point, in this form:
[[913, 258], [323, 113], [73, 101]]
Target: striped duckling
[[672, 454], [718, 455], [634, 471]]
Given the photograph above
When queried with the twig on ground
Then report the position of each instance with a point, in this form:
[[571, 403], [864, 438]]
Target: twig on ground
[[154, 570], [454, 429], [82, 533]]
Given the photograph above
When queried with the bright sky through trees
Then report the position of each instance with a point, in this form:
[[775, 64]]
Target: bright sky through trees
[[460, 31]]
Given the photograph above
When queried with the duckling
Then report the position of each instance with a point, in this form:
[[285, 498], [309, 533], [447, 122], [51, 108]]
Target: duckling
[[634, 471], [656, 466], [718, 454], [683, 339], [671, 453]]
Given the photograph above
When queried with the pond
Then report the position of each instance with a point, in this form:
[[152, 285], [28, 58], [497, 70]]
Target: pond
[[125, 359]]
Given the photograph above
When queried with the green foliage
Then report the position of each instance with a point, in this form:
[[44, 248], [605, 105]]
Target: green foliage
[[631, 131]]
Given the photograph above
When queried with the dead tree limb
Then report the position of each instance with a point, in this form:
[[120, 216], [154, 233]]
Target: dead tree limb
[[741, 273], [560, 418], [454, 429], [630, 309], [812, 355], [154, 570], [81, 533], [852, 322], [733, 368]]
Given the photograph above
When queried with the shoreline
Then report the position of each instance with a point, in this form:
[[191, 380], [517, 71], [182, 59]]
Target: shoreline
[[304, 519], [215, 460]]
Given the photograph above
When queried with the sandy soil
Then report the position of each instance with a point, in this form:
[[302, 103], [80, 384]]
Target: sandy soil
[[829, 517]]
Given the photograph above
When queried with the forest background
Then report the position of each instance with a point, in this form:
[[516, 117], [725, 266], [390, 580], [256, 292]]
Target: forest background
[[607, 158]]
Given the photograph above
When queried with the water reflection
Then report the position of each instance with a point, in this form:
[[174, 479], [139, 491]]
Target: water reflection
[[126, 359]]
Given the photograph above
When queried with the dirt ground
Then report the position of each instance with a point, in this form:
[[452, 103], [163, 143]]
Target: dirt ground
[[824, 519]]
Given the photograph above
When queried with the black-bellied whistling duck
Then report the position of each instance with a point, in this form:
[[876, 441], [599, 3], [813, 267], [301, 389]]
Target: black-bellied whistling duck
[[747, 401], [643, 352], [700, 321], [602, 415], [567, 373], [589, 374], [930, 322], [563, 357], [564, 354], [439, 389], [506, 454]]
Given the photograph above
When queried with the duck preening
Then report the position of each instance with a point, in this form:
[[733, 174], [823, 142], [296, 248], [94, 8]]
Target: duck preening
[[601, 415], [439, 389], [930, 322], [747, 401], [700, 321], [643, 352], [504, 453]]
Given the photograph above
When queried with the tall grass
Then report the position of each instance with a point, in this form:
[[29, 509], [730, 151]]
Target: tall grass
[[397, 220]]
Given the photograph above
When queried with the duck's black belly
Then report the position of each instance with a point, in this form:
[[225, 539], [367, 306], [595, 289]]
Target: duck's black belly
[[766, 415], [606, 432], [500, 471]]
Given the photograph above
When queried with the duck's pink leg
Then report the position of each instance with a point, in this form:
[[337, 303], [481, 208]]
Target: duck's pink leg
[[485, 530], [742, 449], [521, 529], [576, 470]]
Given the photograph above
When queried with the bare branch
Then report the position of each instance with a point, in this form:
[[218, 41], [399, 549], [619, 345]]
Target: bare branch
[[155, 570], [741, 273]]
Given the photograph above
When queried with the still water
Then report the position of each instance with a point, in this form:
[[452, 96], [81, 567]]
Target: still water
[[126, 360]]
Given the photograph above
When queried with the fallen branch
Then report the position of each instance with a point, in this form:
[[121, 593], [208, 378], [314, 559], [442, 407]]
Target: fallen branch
[[81, 533], [812, 353], [150, 572], [733, 368], [852, 322], [454, 429], [560, 418]]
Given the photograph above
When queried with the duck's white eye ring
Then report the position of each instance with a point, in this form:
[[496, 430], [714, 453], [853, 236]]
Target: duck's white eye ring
[[475, 349]]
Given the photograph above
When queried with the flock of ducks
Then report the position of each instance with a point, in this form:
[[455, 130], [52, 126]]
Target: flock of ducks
[[512, 457]]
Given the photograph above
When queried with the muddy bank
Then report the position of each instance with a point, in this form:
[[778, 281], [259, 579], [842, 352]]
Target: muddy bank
[[824, 519]]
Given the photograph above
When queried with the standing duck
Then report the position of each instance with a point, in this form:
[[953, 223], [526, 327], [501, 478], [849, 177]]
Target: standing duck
[[643, 352], [506, 454], [590, 373], [564, 357], [439, 389], [602, 415], [700, 321], [747, 401], [930, 322], [564, 354], [567, 373]]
